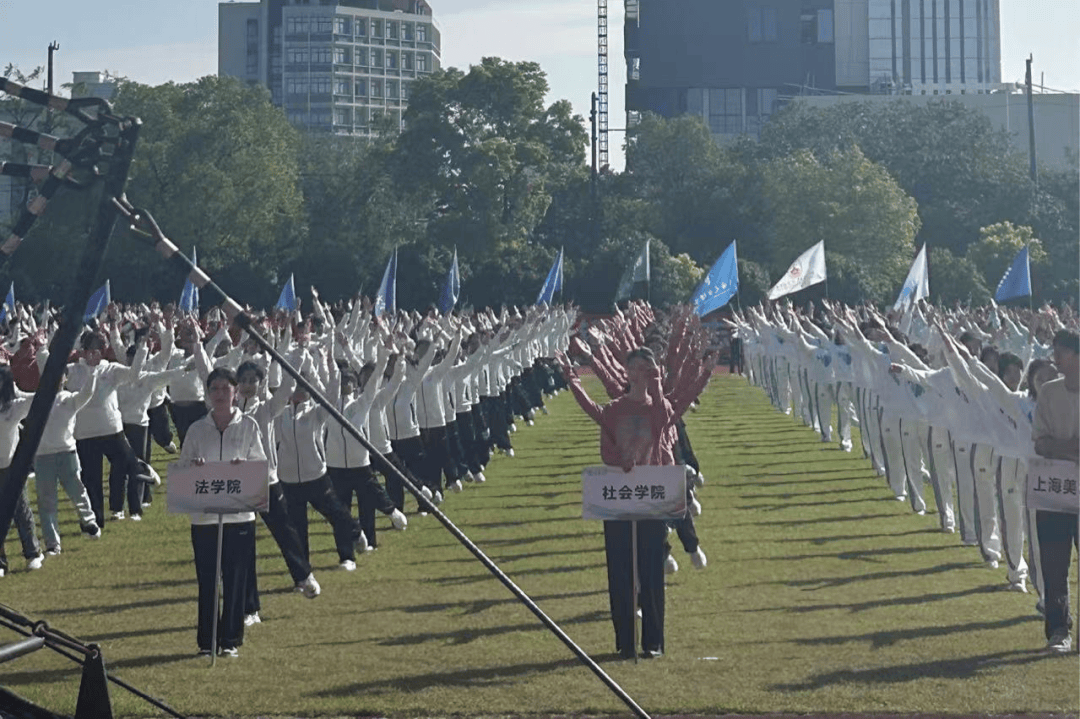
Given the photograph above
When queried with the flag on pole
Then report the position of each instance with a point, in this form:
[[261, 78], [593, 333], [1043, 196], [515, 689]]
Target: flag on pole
[[7, 312], [1017, 280], [720, 285], [553, 283], [98, 302], [189, 296], [637, 272], [917, 284], [287, 299], [807, 270], [451, 289], [386, 297]]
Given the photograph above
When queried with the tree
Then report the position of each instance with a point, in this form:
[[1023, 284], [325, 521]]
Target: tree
[[851, 203], [955, 279], [997, 246], [216, 165]]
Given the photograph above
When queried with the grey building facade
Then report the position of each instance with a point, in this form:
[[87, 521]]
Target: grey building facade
[[337, 66]]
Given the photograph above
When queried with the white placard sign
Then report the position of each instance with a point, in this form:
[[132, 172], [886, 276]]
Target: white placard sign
[[1051, 485], [646, 492], [219, 488]]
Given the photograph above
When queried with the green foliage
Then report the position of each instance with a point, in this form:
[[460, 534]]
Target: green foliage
[[997, 246], [851, 203], [955, 279]]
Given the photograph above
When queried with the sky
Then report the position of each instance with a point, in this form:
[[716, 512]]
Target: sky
[[157, 41]]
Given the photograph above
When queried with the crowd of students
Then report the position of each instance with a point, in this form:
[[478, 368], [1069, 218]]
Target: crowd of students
[[436, 395], [950, 399]]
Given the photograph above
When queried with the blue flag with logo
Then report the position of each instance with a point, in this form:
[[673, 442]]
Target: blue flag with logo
[[189, 296], [553, 283], [720, 285], [287, 299], [452, 289], [99, 301], [1017, 280], [386, 298], [7, 312]]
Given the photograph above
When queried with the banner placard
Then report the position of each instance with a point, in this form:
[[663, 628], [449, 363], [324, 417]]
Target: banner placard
[[646, 492], [219, 488], [1051, 485]]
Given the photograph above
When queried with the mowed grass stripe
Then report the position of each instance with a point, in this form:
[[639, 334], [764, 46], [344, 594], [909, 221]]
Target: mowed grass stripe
[[823, 595]]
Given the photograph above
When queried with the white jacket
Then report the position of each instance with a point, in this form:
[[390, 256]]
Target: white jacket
[[101, 416], [241, 439], [299, 433], [59, 433]]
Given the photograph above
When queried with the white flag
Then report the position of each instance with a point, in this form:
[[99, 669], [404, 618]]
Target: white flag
[[808, 270], [637, 272], [917, 284]]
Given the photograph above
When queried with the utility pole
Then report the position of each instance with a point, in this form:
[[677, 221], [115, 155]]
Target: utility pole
[[1031, 124], [592, 122], [53, 47]]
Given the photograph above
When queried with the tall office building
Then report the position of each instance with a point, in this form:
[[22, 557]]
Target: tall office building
[[734, 62], [336, 66]]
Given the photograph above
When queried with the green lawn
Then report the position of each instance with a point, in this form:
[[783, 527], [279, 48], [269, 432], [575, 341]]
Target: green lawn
[[823, 594]]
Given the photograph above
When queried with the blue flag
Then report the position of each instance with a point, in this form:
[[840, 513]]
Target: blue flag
[[720, 285], [452, 289], [1017, 280], [553, 283], [189, 296], [99, 301], [386, 297], [7, 313], [287, 300]]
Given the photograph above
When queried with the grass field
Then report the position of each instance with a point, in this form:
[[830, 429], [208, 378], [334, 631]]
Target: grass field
[[822, 595]]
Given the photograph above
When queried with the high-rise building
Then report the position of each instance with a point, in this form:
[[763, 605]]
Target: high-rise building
[[339, 66], [734, 62]]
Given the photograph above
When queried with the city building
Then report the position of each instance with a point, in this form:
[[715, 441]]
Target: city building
[[735, 62], [343, 67]]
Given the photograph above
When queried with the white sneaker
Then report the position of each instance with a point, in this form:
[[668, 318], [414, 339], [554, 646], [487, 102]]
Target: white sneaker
[[145, 505], [695, 507], [1060, 642], [437, 498], [699, 480], [347, 565], [513, 428], [35, 562], [426, 491], [1020, 586], [510, 452], [252, 619], [309, 587], [398, 519], [136, 518], [948, 530], [230, 652], [118, 515], [991, 564], [529, 423], [361, 543], [457, 486], [479, 477], [172, 448], [92, 530], [544, 410], [698, 559], [52, 552], [670, 565], [845, 445], [1, 573]]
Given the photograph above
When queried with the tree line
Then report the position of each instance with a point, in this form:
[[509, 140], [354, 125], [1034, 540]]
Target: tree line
[[485, 167]]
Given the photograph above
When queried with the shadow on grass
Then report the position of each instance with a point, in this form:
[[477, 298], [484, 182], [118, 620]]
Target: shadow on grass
[[127, 634], [824, 492], [888, 638], [857, 537], [471, 578], [475, 607], [51, 676], [866, 555], [818, 520], [833, 503], [880, 603], [485, 677], [500, 558], [466, 635], [965, 668]]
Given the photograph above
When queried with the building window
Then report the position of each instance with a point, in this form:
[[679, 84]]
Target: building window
[[421, 33], [322, 25], [320, 55], [405, 90], [726, 111], [825, 25], [391, 30], [361, 27], [391, 60], [341, 87], [341, 56], [763, 25], [320, 117], [297, 117], [320, 86], [421, 63], [407, 31], [376, 88], [295, 56], [376, 58], [296, 86], [296, 25], [392, 89], [360, 54], [341, 116], [252, 47], [406, 61], [342, 26], [361, 88], [376, 28]]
